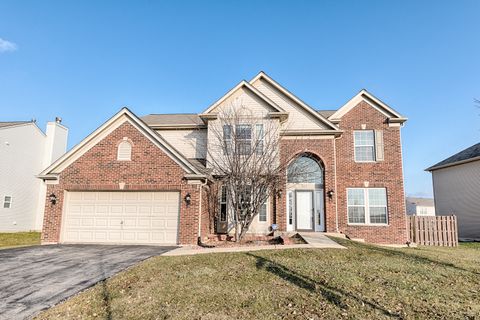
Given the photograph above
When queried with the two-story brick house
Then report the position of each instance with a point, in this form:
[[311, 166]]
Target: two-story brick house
[[146, 180]]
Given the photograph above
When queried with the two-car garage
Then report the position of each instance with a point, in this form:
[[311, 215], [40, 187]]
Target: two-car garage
[[120, 217]]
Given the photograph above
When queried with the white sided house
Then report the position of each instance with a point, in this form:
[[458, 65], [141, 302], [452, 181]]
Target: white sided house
[[25, 151], [420, 206]]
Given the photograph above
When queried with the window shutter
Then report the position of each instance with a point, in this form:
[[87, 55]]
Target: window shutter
[[379, 147]]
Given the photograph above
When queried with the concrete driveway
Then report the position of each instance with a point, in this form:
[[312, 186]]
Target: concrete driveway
[[36, 278]]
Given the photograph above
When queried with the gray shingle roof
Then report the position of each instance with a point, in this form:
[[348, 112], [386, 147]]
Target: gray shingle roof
[[425, 202], [4, 124], [326, 113], [173, 119], [469, 153]]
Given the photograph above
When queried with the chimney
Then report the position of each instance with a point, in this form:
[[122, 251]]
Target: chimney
[[56, 141]]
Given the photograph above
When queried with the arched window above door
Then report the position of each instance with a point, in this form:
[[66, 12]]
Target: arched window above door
[[305, 169]]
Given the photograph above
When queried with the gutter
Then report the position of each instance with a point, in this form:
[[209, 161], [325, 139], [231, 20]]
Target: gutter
[[433, 168]]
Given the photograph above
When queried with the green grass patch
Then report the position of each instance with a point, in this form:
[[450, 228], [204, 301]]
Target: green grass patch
[[363, 282], [14, 239]]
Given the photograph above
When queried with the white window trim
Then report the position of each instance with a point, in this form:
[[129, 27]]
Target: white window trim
[[355, 149], [9, 203], [367, 208]]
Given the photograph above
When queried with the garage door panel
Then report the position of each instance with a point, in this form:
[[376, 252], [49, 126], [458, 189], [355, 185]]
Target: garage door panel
[[121, 217]]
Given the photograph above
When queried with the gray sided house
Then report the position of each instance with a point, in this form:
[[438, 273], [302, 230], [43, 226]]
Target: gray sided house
[[456, 188]]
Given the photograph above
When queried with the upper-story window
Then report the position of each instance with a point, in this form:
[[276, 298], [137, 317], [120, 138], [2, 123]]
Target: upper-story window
[[242, 138], [124, 152], [368, 145], [364, 141]]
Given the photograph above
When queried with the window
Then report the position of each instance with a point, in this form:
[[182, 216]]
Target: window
[[422, 211], [124, 152], [305, 169], [367, 205], [260, 139], [290, 207], [223, 204], [262, 215], [243, 135], [364, 145], [7, 202], [227, 139]]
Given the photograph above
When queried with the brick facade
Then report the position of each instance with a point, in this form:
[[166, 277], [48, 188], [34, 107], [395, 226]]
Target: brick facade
[[150, 169], [350, 174], [385, 174]]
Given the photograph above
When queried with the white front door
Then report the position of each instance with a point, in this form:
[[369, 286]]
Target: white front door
[[304, 212], [121, 217]]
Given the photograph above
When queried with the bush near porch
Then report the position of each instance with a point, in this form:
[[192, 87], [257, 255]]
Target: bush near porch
[[362, 282]]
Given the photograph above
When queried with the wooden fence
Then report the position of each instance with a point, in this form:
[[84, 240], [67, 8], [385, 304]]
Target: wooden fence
[[433, 231]]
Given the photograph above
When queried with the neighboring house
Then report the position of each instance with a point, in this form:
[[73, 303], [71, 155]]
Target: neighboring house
[[420, 206], [24, 152], [146, 180], [456, 190]]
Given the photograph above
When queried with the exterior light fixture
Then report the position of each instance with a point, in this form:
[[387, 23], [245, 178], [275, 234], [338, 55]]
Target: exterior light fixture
[[188, 199], [330, 194], [53, 198]]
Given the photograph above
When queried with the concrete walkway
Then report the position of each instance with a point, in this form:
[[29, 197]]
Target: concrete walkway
[[314, 241], [319, 240]]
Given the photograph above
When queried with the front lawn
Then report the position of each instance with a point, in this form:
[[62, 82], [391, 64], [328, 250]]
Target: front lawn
[[15, 239], [362, 282]]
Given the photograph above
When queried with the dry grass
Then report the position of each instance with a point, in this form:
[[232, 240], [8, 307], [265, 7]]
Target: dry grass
[[15, 239], [362, 282]]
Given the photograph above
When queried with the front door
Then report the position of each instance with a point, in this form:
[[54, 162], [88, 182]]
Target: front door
[[304, 210]]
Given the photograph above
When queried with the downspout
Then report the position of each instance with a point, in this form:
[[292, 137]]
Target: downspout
[[335, 177], [199, 239]]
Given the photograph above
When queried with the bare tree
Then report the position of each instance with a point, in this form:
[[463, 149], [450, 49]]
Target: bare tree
[[244, 155]]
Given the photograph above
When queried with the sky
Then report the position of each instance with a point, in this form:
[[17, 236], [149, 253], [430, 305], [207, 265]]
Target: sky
[[84, 60]]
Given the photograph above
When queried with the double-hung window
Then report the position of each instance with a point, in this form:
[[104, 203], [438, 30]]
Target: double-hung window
[[260, 136], [262, 214], [7, 202], [227, 139], [367, 205], [364, 141], [243, 139]]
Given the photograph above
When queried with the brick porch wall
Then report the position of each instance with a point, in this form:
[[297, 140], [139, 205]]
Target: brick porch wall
[[98, 170], [322, 149]]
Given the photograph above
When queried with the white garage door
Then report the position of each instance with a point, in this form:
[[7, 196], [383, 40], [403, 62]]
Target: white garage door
[[121, 217]]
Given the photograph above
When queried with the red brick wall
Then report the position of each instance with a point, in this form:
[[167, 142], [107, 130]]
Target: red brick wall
[[322, 149], [98, 169], [385, 174]]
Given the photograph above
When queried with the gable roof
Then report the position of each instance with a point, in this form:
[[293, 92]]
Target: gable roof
[[309, 109], [376, 103], [109, 126], [467, 155], [5, 124], [244, 84], [178, 120]]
